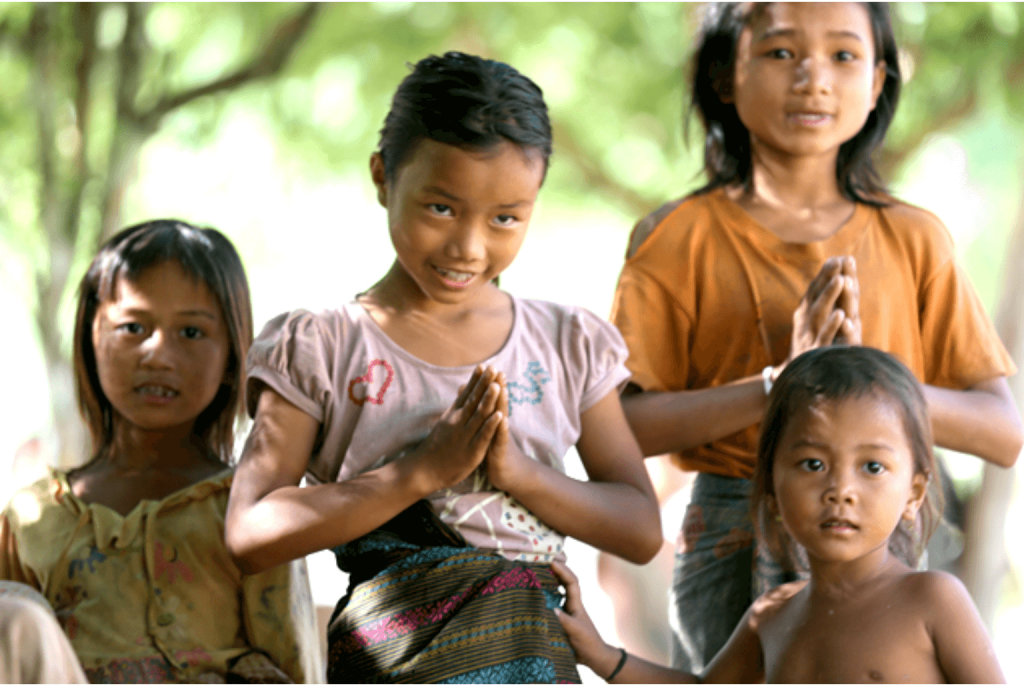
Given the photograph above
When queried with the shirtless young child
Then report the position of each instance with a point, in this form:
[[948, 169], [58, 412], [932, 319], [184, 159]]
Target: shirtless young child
[[843, 464]]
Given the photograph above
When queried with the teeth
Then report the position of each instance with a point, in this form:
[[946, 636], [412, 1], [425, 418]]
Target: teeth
[[460, 277], [159, 391]]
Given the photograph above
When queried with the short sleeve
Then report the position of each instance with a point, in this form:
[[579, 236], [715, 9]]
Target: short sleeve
[[599, 353], [280, 620], [292, 357], [655, 328], [962, 346]]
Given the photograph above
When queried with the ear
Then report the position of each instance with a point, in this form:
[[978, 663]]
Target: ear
[[773, 505], [379, 178], [918, 490], [877, 83]]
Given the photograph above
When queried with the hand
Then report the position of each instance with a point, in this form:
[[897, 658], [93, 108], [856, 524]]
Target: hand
[[586, 642], [506, 464], [817, 319], [460, 440], [849, 302]]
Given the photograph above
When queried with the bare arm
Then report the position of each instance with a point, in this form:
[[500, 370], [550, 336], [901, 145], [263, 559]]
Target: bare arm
[[962, 646], [592, 651], [271, 520], [982, 420], [616, 510], [675, 421]]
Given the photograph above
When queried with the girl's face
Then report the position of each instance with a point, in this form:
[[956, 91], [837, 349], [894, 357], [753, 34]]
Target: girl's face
[[806, 77], [161, 347], [458, 217], [844, 477]]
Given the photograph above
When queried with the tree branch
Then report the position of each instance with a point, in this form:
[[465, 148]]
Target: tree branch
[[267, 62], [595, 177], [129, 58], [85, 20]]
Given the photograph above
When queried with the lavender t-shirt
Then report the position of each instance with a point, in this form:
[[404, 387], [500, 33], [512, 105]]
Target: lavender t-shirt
[[375, 402]]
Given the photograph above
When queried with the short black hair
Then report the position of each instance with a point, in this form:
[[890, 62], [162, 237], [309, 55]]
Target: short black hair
[[204, 254], [466, 101], [727, 141], [841, 372]]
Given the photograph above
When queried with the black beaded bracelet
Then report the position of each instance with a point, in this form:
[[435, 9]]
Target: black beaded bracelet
[[618, 667]]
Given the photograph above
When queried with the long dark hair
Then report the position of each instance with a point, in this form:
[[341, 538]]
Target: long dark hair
[[209, 257], [839, 373], [467, 101], [727, 141]]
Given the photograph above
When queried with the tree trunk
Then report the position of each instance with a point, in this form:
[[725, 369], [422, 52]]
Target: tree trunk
[[985, 561]]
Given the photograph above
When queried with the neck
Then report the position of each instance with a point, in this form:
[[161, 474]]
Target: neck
[[136, 449], [806, 182], [398, 294], [839, 580]]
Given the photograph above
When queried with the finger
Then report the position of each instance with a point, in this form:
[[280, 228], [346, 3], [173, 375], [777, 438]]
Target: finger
[[499, 444], [851, 332], [822, 308], [482, 439], [573, 601], [503, 403], [831, 327], [828, 271], [466, 390]]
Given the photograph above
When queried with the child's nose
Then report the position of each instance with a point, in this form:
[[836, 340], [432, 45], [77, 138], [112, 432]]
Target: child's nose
[[467, 243], [812, 76], [157, 350], [841, 489]]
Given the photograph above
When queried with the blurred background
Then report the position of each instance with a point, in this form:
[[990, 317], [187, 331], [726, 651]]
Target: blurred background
[[259, 119]]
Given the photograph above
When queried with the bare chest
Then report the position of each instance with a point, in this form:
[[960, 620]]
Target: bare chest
[[868, 643]]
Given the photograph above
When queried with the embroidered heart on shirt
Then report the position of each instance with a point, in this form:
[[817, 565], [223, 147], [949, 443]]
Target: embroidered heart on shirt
[[367, 395]]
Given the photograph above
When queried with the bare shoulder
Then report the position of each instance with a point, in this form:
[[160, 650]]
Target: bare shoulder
[[931, 586], [936, 597], [646, 226], [772, 602]]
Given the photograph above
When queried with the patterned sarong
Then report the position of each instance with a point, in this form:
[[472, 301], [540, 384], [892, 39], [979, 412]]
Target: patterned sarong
[[424, 607]]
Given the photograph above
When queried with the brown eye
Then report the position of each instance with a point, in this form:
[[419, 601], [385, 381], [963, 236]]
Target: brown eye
[[131, 328]]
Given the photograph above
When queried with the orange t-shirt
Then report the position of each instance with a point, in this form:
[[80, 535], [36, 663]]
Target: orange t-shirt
[[709, 296]]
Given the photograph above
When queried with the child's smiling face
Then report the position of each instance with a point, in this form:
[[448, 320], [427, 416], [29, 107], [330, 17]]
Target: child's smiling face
[[806, 76], [161, 347], [844, 477], [458, 217]]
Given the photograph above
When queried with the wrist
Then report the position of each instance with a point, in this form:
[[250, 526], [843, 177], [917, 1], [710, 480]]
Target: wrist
[[606, 661]]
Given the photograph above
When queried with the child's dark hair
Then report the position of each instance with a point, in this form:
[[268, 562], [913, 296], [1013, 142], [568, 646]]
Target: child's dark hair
[[840, 373], [207, 256], [466, 101], [727, 141]]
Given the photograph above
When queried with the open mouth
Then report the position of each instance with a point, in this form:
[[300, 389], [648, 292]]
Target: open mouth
[[157, 392], [838, 525], [453, 277], [809, 118]]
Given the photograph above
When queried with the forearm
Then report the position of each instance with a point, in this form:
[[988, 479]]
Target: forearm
[[982, 420], [615, 517], [292, 521], [635, 670], [671, 422]]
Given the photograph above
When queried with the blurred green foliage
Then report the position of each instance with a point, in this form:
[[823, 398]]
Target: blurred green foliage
[[87, 85]]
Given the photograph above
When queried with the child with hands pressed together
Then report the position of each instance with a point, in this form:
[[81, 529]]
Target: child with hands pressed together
[[841, 481], [129, 548], [430, 416], [792, 244]]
